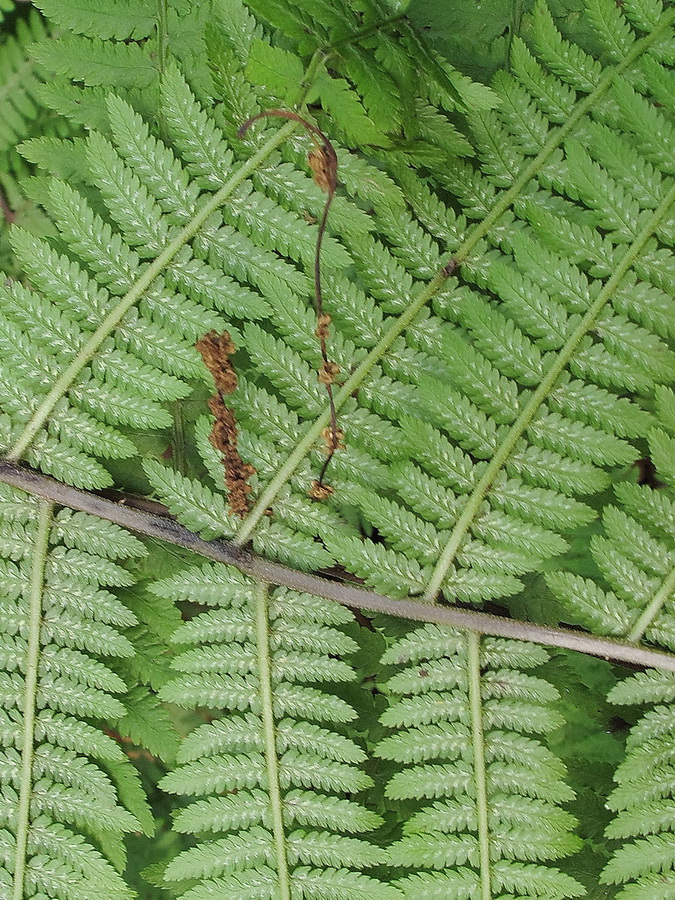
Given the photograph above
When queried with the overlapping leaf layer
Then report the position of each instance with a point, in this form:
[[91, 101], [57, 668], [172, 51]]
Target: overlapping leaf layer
[[498, 276]]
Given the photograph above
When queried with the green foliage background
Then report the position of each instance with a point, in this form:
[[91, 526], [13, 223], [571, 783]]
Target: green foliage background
[[408, 183]]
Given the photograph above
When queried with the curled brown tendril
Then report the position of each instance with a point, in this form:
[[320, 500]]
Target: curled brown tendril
[[322, 160]]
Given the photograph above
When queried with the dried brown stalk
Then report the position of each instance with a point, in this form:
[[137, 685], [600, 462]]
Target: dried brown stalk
[[322, 160], [165, 529], [216, 350]]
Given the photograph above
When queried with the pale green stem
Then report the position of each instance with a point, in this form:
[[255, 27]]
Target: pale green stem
[[34, 599], [506, 199], [652, 610], [271, 759], [478, 742], [114, 317], [315, 63], [537, 398]]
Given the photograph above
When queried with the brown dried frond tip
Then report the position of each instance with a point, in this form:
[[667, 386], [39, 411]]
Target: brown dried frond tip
[[327, 372], [319, 491], [216, 350]]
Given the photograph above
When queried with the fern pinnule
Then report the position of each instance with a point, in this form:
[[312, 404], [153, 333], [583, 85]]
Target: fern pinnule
[[118, 21], [95, 61]]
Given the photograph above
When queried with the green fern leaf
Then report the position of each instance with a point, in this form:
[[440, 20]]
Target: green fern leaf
[[63, 791], [460, 727], [194, 503], [96, 62], [268, 747], [473, 434], [20, 80], [641, 578], [119, 20], [276, 70]]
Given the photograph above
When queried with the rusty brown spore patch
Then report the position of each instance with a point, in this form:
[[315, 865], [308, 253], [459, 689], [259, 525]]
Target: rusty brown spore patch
[[320, 491], [216, 350]]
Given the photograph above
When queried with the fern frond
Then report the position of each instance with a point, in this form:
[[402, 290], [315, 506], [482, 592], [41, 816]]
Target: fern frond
[[20, 80], [508, 362], [483, 396], [635, 560], [160, 330], [500, 364], [22, 115], [62, 786], [252, 656], [462, 713], [643, 797]]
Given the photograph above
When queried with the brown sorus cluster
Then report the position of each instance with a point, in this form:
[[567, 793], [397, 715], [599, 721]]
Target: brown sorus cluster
[[322, 323], [333, 439], [319, 491], [327, 372], [216, 350], [323, 163]]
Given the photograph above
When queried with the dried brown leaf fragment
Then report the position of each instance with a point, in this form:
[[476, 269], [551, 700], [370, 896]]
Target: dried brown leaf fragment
[[216, 350]]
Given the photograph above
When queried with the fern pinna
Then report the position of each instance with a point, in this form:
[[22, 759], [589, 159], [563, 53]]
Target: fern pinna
[[635, 560], [463, 712], [497, 273], [273, 773], [21, 115], [68, 792]]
